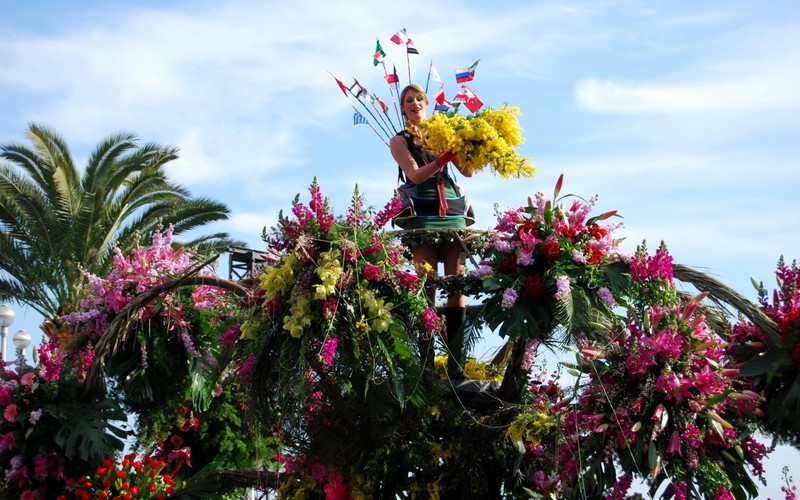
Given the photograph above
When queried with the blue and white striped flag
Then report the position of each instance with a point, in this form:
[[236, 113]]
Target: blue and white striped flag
[[359, 118]]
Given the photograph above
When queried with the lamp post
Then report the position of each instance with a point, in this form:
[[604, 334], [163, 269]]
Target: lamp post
[[7, 317], [22, 339]]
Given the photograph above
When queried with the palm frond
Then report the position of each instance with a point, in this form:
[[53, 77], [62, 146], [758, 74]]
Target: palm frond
[[723, 294], [120, 333]]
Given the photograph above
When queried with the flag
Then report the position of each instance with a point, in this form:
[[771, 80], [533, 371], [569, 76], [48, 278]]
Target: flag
[[469, 99], [359, 118], [379, 53], [410, 47], [400, 37], [439, 97], [383, 105], [442, 104], [341, 85], [392, 78], [360, 91], [435, 74], [466, 74]]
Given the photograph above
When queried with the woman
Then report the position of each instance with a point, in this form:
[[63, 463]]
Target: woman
[[426, 170]]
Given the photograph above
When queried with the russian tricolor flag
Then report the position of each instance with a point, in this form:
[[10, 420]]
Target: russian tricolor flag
[[466, 74]]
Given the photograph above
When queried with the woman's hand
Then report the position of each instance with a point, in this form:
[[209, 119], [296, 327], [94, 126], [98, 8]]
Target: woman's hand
[[445, 158]]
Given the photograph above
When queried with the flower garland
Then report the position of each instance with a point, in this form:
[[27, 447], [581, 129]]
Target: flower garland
[[332, 337], [490, 137], [775, 372], [546, 265], [662, 400]]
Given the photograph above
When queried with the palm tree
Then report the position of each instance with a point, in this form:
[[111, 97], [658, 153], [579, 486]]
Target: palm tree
[[57, 224]]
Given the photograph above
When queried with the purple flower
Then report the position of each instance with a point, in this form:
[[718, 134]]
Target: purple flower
[[509, 298], [607, 297], [563, 288]]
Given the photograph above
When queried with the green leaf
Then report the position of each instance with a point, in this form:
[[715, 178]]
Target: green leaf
[[90, 434], [759, 365]]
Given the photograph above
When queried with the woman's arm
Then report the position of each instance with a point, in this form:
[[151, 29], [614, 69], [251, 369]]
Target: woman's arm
[[415, 173], [465, 173]]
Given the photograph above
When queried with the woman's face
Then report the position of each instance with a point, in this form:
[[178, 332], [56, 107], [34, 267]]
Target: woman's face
[[414, 105]]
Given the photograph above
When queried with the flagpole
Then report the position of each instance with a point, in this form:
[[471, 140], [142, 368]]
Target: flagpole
[[428, 81], [399, 115], [385, 75], [408, 64], [388, 135], [381, 118], [373, 128]]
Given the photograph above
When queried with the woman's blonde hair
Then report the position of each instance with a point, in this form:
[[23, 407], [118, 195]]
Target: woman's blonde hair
[[409, 87]]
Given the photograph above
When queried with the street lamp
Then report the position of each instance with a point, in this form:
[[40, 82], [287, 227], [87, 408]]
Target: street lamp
[[22, 339], [7, 317]]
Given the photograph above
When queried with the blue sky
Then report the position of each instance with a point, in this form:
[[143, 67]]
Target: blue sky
[[682, 115]]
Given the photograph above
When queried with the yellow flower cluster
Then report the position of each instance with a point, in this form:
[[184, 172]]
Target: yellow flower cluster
[[488, 138], [299, 316], [378, 310], [276, 280], [329, 270], [530, 427], [473, 370]]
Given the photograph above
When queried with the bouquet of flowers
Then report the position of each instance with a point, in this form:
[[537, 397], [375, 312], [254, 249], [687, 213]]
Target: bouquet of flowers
[[548, 264], [131, 477], [331, 337], [489, 137], [51, 427], [776, 371], [661, 401]]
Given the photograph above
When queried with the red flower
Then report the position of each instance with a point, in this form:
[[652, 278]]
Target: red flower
[[509, 264], [533, 286], [550, 250]]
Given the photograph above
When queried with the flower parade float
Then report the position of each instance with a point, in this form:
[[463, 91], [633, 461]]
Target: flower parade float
[[308, 379], [312, 377]]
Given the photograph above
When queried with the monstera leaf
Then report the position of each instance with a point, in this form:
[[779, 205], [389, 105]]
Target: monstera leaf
[[91, 434]]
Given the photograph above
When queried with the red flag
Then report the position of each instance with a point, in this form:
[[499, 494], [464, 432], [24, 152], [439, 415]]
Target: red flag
[[400, 37], [341, 85], [439, 97], [469, 99], [383, 105], [392, 78]]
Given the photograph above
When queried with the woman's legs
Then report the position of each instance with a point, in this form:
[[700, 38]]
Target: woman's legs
[[454, 314]]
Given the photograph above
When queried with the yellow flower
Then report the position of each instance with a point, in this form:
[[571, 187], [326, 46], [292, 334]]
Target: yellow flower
[[248, 329], [362, 325], [276, 280], [488, 138]]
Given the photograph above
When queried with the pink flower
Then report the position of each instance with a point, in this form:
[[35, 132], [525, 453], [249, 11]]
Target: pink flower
[[10, 414], [336, 489], [674, 444], [317, 471], [407, 280], [432, 321], [328, 350], [7, 442], [372, 272], [27, 379]]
